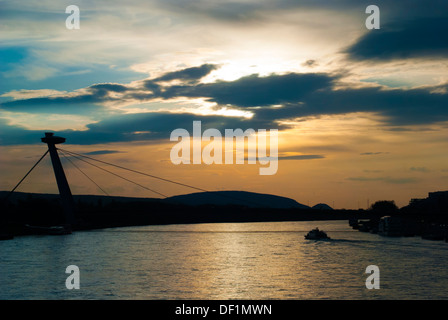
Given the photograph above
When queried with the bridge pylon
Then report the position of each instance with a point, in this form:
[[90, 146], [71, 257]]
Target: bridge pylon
[[64, 189]]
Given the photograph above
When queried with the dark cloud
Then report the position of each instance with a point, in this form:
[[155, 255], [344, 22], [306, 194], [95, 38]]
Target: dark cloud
[[296, 157], [302, 157], [131, 127], [326, 148], [253, 91], [312, 94], [397, 106], [15, 135], [385, 179], [105, 87], [298, 95], [100, 152], [272, 99], [154, 88], [418, 38], [189, 74], [419, 169], [372, 153], [310, 63], [83, 103], [96, 94]]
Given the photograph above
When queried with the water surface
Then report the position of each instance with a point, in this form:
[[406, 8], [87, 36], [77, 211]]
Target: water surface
[[223, 261]]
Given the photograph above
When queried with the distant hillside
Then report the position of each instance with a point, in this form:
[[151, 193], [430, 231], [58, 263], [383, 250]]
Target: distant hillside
[[98, 212], [243, 198], [322, 206]]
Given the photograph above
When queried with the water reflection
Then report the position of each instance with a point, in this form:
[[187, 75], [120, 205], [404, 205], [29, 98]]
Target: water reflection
[[222, 261]]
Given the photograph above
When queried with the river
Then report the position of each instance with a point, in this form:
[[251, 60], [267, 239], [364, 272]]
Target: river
[[269, 260]]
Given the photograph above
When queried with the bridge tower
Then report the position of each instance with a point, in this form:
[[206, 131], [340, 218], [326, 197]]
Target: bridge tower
[[64, 190]]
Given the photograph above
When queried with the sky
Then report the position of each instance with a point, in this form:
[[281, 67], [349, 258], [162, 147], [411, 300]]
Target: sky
[[361, 113]]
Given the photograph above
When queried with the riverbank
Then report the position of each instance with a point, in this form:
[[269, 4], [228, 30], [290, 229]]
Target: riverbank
[[403, 226], [129, 214]]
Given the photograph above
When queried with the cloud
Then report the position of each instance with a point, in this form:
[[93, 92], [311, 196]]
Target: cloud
[[233, 11], [272, 100], [310, 63], [326, 148], [385, 179], [314, 94], [295, 157], [365, 179], [130, 127], [373, 153], [100, 152], [31, 72], [253, 90], [86, 100], [27, 94], [419, 169], [246, 11], [396, 106], [417, 38], [401, 180], [302, 157], [250, 91], [101, 93], [192, 74], [103, 88]]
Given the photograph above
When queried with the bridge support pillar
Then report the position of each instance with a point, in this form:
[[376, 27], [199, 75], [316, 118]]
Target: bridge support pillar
[[64, 189]]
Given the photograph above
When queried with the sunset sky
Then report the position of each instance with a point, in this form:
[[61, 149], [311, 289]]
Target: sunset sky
[[362, 114]]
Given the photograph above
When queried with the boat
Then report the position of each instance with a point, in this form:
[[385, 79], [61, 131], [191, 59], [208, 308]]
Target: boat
[[390, 226], [53, 230], [317, 234], [59, 230]]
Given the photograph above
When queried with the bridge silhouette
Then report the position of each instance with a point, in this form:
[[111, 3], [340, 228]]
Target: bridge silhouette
[[65, 193]]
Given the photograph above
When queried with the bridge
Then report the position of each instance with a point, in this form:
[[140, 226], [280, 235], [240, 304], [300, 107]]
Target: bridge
[[66, 197], [65, 193]]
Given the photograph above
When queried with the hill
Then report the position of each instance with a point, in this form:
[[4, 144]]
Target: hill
[[98, 212], [322, 206], [242, 198]]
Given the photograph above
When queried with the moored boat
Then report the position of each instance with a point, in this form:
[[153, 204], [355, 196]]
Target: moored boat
[[53, 230]]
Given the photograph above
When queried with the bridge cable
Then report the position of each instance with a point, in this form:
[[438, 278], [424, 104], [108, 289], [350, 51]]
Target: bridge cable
[[67, 158], [117, 175], [135, 171], [156, 177], [7, 196]]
